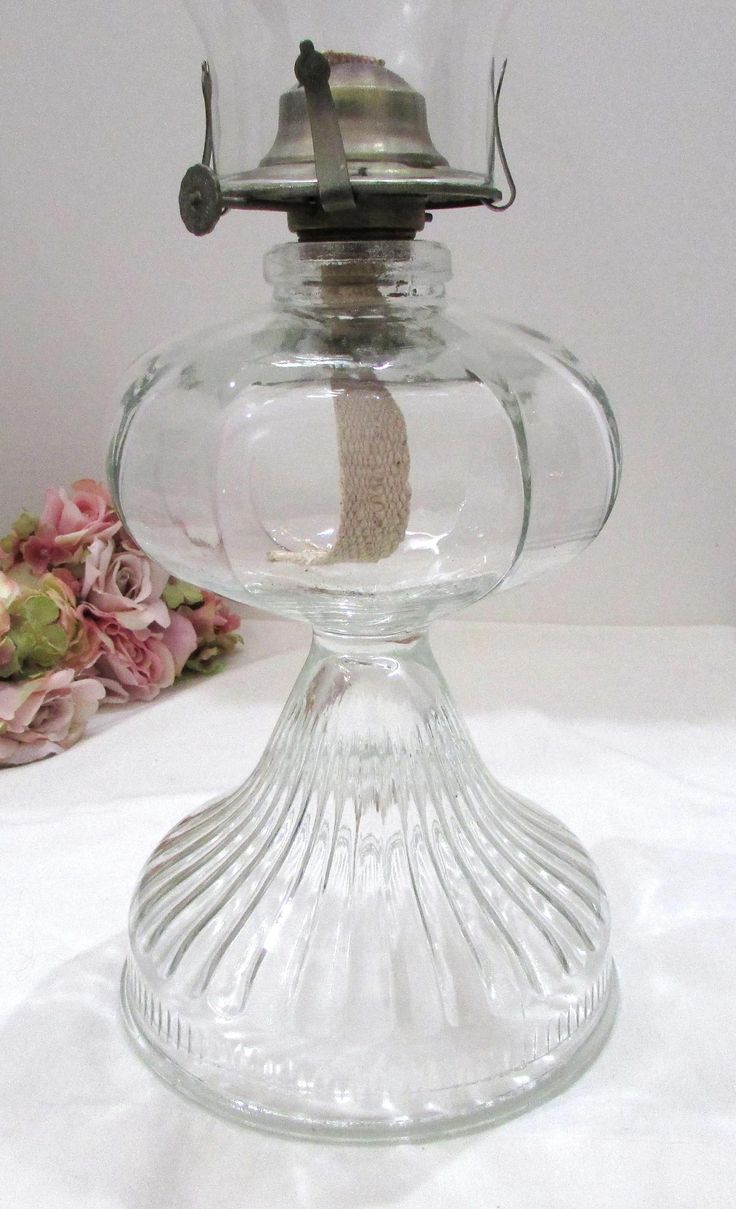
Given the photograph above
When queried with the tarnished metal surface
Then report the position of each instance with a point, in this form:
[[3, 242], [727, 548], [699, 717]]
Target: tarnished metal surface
[[382, 119], [353, 153], [200, 200]]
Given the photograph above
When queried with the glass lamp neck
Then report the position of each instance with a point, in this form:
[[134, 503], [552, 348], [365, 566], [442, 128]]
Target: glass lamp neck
[[358, 275]]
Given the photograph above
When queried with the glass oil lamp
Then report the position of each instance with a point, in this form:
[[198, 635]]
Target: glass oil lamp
[[370, 938]]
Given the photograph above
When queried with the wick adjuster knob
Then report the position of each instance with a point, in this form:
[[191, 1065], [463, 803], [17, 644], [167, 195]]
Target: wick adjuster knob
[[200, 200]]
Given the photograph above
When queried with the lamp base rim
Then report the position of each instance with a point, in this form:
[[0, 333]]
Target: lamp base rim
[[488, 1105]]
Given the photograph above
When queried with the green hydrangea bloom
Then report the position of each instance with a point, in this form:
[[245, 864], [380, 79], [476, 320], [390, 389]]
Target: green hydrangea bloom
[[177, 593], [43, 626]]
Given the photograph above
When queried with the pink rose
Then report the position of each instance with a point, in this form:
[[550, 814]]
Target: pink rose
[[125, 586], [215, 626], [87, 644], [68, 522], [134, 665], [181, 639], [213, 616], [44, 716], [42, 551], [66, 577]]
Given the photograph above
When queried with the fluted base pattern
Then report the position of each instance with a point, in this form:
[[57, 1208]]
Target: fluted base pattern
[[371, 938]]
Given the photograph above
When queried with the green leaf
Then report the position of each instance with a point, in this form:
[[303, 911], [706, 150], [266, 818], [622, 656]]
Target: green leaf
[[39, 610], [10, 669], [24, 642], [172, 595], [56, 637], [177, 593], [25, 525], [45, 658], [192, 595]]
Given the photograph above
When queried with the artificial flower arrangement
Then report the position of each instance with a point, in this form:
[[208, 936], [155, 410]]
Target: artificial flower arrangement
[[85, 618]]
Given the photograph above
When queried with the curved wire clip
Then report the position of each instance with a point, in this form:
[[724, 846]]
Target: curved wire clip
[[497, 203], [208, 154], [201, 203]]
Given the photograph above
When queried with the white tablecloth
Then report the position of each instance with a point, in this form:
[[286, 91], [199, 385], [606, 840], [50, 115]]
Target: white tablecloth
[[627, 734]]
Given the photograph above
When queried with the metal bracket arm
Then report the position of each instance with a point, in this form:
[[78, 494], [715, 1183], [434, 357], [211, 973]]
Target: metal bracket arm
[[312, 70]]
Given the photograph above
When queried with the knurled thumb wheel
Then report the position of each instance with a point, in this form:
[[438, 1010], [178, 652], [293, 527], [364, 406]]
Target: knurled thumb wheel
[[200, 200]]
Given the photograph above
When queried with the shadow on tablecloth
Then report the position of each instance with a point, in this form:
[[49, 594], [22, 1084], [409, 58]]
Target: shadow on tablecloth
[[87, 1124]]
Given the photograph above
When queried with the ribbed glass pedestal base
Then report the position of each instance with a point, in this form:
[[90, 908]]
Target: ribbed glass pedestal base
[[371, 939]]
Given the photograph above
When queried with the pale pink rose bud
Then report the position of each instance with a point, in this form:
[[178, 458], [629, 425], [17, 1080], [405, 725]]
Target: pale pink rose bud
[[133, 665], [181, 640], [71, 519], [124, 585], [44, 716]]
